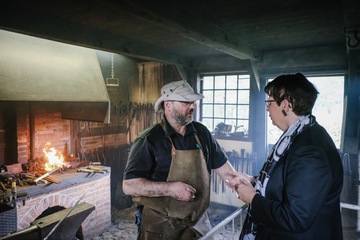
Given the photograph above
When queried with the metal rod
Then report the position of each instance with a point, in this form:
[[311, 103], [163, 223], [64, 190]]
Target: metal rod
[[350, 206], [58, 224], [45, 175], [224, 222]]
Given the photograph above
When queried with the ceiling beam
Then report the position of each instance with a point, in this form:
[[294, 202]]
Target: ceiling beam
[[181, 72], [174, 17], [35, 22], [253, 71]]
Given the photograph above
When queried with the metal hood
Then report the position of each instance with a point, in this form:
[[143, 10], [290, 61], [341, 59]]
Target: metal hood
[[39, 70]]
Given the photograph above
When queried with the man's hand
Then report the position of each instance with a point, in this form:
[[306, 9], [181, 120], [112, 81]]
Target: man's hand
[[182, 191]]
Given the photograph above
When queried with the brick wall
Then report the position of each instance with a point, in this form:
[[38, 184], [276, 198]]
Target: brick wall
[[49, 126], [23, 133], [97, 193], [36, 129]]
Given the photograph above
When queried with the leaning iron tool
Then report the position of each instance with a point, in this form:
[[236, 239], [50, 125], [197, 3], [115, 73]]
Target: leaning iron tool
[[58, 224]]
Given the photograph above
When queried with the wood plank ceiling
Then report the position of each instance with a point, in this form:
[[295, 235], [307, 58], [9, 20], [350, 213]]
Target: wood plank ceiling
[[179, 31]]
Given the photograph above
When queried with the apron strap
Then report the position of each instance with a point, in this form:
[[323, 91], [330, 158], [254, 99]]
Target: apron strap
[[173, 149]]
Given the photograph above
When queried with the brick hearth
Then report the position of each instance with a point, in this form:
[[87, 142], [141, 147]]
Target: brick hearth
[[72, 187]]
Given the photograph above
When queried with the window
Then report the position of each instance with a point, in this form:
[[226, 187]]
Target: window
[[328, 108], [227, 100]]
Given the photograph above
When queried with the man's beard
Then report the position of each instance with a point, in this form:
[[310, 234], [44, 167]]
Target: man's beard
[[183, 119]]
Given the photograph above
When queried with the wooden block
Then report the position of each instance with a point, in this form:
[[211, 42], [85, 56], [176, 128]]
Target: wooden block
[[14, 168], [51, 179]]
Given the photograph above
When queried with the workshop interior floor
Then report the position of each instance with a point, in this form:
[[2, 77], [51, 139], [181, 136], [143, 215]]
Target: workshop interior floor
[[217, 212]]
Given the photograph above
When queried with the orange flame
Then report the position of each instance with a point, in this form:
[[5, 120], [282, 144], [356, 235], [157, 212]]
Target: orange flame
[[55, 158]]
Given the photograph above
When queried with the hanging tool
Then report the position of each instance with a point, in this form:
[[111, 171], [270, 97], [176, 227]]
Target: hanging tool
[[242, 159], [112, 82]]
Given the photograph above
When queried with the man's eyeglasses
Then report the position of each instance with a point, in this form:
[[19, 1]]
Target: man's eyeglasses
[[187, 104], [268, 102]]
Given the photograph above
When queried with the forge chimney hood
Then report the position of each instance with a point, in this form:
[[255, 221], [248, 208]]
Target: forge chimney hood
[[39, 70]]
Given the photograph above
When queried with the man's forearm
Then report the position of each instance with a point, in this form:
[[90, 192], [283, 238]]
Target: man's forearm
[[225, 171], [145, 187]]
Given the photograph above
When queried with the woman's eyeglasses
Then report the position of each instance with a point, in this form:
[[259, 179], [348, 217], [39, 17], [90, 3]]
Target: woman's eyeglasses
[[268, 102]]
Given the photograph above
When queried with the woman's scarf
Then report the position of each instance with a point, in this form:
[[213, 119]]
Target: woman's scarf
[[280, 149]]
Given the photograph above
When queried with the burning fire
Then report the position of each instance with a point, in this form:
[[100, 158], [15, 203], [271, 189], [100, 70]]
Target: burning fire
[[55, 158]]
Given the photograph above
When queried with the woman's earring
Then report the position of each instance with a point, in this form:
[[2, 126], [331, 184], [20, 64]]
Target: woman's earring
[[284, 113]]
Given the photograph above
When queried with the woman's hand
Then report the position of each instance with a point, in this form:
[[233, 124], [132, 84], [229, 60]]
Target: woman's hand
[[236, 179], [245, 191], [242, 184]]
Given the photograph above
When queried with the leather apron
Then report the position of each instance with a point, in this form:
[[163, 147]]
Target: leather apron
[[168, 218]]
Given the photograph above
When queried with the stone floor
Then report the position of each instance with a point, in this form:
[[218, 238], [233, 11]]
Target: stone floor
[[124, 227], [349, 219]]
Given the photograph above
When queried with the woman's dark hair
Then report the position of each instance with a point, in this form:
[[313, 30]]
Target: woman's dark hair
[[295, 88]]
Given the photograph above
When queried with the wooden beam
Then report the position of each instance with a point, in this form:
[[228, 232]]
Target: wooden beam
[[176, 19], [181, 72], [36, 22], [254, 71], [210, 64]]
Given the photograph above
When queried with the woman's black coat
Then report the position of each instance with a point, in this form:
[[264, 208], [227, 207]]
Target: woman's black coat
[[302, 199]]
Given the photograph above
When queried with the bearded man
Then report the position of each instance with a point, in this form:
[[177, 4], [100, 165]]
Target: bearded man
[[169, 167]]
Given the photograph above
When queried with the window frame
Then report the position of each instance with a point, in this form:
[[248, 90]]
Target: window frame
[[234, 104]]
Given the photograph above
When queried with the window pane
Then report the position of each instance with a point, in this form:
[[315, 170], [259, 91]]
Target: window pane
[[208, 96], [219, 97], [207, 110], [242, 126], [231, 82], [328, 108], [243, 111], [244, 97], [219, 111], [244, 82], [217, 121], [231, 96], [231, 122], [230, 111], [208, 122], [208, 83], [220, 82]]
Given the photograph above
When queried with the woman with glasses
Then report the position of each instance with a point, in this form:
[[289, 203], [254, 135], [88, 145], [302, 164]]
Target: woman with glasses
[[296, 195]]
